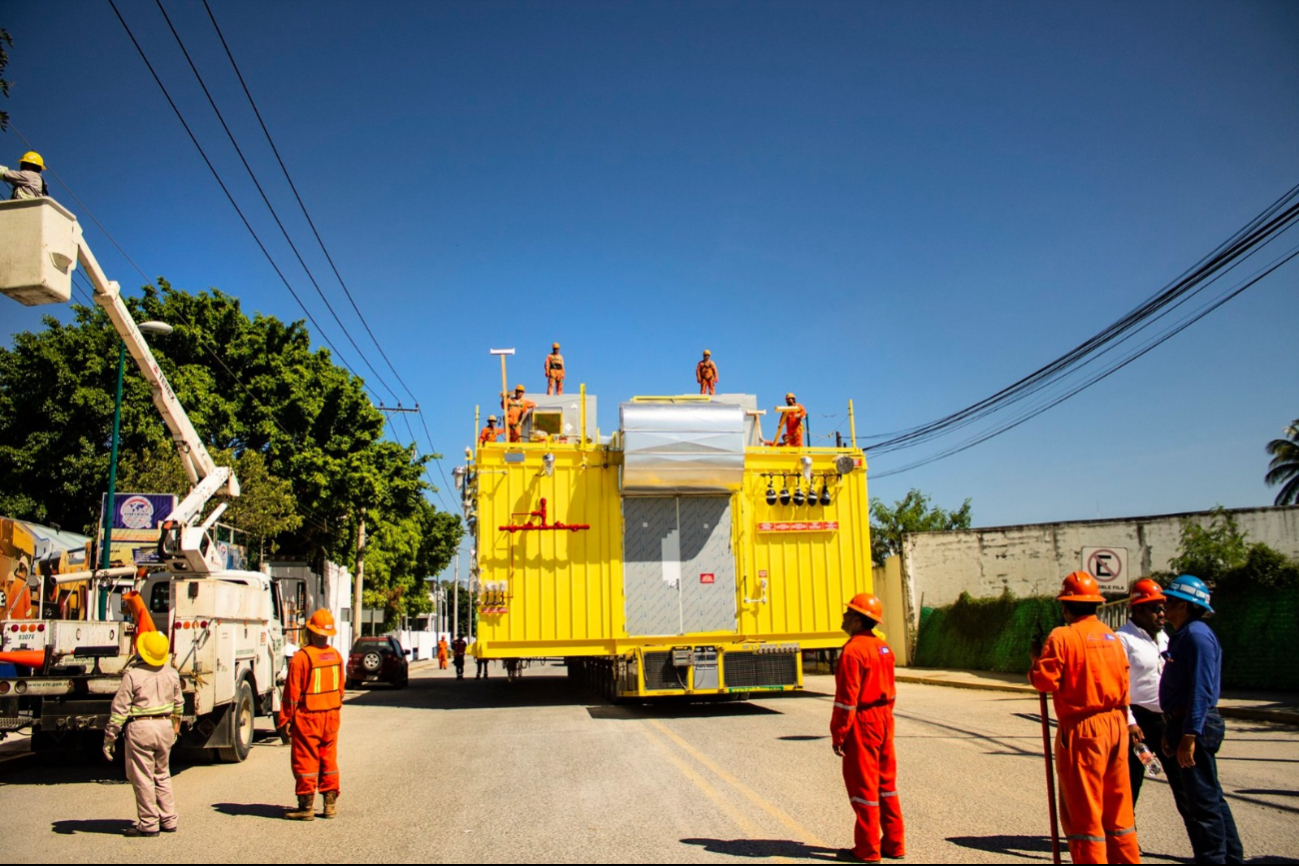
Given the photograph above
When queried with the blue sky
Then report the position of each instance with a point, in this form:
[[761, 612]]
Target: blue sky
[[908, 205]]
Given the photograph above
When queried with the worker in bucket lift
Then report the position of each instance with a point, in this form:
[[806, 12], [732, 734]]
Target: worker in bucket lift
[[313, 697], [148, 704], [490, 433], [554, 371], [861, 732], [706, 374], [1083, 666], [517, 409], [26, 181], [792, 419]]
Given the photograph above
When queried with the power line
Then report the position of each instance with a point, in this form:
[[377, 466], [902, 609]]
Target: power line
[[319, 330], [274, 215], [378, 345]]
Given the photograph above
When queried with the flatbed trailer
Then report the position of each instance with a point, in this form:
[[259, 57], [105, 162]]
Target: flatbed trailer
[[682, 556]]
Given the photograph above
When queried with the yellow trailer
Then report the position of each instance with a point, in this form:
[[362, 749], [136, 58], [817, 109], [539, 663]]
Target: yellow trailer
[[681, 556]]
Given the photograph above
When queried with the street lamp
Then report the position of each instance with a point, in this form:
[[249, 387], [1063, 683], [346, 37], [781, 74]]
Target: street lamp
[[162, 329]]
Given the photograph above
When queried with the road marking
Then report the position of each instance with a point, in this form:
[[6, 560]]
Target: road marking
[[748, 793], [703, 785]]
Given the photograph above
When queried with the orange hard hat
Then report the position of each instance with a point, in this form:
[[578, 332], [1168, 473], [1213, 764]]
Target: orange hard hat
[[1080, 586], [867, 605], [322, 623], [1145, 591]]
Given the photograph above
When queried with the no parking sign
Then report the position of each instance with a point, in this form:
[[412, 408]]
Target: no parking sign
[[1109, 565]]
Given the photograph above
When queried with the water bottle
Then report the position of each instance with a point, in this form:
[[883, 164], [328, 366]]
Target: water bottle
[[1153, 768]]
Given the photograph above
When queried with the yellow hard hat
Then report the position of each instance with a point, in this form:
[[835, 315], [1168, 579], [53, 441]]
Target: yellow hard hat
[[491, 419], [790, 396], [708, 351], [34, 158], [519, 388], [152, 647], [554, 345]]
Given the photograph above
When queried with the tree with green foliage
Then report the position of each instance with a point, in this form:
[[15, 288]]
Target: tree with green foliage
[[911, 513], [1284, 468], [252, 385], [6, 41]]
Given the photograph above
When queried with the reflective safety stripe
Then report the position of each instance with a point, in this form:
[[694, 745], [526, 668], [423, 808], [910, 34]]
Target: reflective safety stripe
[[1081, 838], [324, 679], [849, 707], [160, 710], [863, 802], [888, 793], [116, 719], [1120, 832]]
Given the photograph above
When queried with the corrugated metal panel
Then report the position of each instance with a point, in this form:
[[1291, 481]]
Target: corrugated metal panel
[[682, 447]]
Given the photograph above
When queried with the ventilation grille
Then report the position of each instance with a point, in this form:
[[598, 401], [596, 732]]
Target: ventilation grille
[[659, 673], [754, 670]]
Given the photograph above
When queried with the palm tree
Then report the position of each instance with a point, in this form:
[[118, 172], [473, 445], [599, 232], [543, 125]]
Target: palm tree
[[1284, 468]]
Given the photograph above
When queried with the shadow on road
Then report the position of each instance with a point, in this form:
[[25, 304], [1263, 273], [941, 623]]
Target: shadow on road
[[101, 826], [765, 848], [803, 738], [669, 708], [251, 810], [1269, 792], [448, 693], [1023, 847]]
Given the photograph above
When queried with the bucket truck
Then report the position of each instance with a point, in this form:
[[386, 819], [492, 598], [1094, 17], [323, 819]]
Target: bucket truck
[[225, 626]]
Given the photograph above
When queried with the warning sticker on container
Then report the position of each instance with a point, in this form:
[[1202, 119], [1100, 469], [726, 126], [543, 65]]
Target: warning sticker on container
[[800, 526], [708, 578]]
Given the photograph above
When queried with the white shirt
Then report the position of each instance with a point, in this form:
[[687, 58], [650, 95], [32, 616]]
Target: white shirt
[[1146, 663]]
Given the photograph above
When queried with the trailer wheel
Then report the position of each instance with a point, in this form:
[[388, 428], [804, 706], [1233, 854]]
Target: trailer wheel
[[241, 727]]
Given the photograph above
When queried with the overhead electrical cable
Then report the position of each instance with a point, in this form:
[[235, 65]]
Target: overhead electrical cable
[[266, 200], [319, 330], [312, 223]]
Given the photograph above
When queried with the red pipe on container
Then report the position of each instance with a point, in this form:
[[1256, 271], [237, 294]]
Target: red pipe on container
[[541, 512]]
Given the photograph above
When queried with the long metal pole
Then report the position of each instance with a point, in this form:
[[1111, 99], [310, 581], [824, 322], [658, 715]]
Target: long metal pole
[[105, 561], [358, 586], [455, 603], [1050, 776]]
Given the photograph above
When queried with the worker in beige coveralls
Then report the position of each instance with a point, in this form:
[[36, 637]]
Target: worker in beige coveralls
[[148, 704]]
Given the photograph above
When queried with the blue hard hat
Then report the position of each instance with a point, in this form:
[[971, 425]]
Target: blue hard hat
[[1189, 588]]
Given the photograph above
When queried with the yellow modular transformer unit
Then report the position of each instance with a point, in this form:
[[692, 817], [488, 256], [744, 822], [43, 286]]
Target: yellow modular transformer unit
[[682, 556]]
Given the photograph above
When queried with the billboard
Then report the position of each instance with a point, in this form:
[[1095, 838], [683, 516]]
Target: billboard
[[137, 518]]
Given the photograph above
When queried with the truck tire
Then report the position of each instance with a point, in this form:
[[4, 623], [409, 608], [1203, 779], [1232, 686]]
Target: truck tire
[[241, 726]]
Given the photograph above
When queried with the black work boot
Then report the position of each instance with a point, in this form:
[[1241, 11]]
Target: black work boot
[[306, 810]]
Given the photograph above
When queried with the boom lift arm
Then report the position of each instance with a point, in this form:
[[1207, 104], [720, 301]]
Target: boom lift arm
[[184, 539]]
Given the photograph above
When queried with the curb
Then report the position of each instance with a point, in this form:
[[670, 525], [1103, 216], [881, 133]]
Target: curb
[[1253, 714]]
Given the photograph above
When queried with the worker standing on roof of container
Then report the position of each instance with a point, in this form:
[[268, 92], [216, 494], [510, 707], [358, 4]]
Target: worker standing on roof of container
[[26, 181], [313, 697], [861, 732], [148, 704], [1083, 666], [1145, 642], [706, 374], [1193, 730], [554, 371], [490, 433], [517, 410], [792, 418]]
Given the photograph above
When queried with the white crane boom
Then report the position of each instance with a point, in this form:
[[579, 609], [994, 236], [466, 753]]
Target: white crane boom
[[43, 242]]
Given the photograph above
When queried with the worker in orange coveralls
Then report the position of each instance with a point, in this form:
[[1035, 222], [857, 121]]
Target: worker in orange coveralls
[[1084, 667], [517, 410], [490, 433], [442, 653], [313, 697], [706, 374], [793, 416], [861, 732], [554, 371]]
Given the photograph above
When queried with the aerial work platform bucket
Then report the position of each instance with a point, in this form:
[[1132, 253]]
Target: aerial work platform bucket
[[38, 251]]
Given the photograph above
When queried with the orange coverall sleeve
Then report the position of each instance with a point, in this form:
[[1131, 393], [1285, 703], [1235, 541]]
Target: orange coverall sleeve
[[295, 684], [847, 694], [1046, 673]]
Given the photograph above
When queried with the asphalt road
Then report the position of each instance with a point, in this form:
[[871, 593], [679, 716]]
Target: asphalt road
[[535, 771]]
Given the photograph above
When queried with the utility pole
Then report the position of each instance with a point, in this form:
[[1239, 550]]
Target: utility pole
[[359, 583], [455, 595]]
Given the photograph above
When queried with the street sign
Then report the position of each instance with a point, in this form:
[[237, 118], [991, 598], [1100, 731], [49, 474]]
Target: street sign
[[1109, 565]]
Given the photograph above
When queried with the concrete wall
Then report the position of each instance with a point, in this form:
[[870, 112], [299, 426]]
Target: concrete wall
[[1032, 559]]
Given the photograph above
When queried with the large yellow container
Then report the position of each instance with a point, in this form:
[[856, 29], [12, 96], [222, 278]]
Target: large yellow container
[[564, 591]]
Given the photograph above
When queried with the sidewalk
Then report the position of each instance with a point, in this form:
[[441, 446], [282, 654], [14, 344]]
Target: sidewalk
[[1279, 707]]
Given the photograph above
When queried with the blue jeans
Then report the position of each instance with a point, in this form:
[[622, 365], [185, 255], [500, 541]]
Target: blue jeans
[[1198, 796]]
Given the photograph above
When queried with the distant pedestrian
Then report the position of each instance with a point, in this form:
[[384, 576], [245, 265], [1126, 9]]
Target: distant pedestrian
[[148, 704], [1193, 730], [1083, 667], [861, 732], [1145, 642], [442, 653], [483, 668], [458, 649]]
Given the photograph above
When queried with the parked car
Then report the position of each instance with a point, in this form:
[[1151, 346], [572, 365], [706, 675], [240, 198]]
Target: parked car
[[377, 660]]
